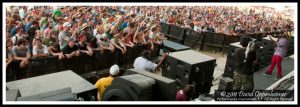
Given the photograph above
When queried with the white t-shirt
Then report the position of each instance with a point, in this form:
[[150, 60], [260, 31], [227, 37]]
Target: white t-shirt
[[44, 50], [95, 32], [151, 35], [142, 63]]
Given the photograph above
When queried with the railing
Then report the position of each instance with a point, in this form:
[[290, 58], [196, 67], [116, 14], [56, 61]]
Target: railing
[[206, 40], [80, 64]]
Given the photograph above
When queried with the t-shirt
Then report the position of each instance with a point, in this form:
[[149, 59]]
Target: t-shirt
[[151, 35], [62, 37], [104, 43], [49, 41], [181, 96], [20, 52], [84, 47], [68, 49], [22, 13], [58, 13], [13, 31], [144, 64], [124, 25], [27, 26], [281, 48], [102, 84], [43, 50]]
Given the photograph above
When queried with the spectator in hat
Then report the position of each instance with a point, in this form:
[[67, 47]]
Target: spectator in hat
[[103, 83], [57, 12], [71, 50], [87, 32], [65, 36]]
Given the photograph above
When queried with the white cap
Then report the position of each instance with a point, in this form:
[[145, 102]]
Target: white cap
[[67, 24], [66, 18], [114, 70]]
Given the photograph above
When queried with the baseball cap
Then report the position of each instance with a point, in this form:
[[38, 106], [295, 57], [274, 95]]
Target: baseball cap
[[114, 70], [67, 24]]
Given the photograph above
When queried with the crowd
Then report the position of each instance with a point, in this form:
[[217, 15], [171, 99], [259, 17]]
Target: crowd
[[67, 31]]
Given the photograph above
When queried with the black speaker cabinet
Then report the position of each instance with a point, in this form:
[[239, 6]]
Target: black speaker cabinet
[[173, 46], [291, 46], [267, 51], [164, 89], [134, 87], [190, 67], [226, 83], [231, 62]]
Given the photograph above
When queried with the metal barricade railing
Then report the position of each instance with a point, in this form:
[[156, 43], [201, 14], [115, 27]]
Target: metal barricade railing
[[208, 40], [79, 64]]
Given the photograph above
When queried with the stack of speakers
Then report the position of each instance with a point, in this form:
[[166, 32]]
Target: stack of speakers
[[164, 88], [134, 87], [190, 67], [231, 61], [267, 51], [194, 39]]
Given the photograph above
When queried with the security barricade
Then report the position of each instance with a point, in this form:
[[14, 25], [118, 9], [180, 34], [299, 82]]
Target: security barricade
[[213, 41], [176, 34], [79, 64]]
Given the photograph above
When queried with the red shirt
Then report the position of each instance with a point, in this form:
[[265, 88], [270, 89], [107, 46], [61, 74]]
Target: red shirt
[[181, 96]]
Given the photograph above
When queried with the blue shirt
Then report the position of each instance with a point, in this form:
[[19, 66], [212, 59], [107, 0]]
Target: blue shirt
[[124, 25], [13, 31], [27, 26]]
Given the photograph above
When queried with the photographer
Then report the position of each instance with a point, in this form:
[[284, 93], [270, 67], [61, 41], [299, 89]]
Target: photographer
[[246, 56]]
